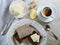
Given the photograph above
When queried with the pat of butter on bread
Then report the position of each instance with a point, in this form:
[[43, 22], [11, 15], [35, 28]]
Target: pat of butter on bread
[[35, 37]]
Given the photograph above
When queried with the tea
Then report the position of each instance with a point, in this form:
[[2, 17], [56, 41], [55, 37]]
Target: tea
[[47, 11]]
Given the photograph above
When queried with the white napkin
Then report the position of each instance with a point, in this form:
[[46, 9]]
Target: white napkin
[[5, 16]]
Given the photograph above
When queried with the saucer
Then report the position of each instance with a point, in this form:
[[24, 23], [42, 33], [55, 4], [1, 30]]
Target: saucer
[[42, 6]]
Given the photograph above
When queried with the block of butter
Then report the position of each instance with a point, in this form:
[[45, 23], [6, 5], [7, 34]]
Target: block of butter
[[35, 37], [18, 8]]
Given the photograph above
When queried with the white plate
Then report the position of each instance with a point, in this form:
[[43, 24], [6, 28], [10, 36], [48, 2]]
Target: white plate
[[22, 22], [42, 6]]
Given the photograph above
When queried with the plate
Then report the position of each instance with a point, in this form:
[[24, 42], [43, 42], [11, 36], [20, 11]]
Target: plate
[[42, 6], [22, 22]]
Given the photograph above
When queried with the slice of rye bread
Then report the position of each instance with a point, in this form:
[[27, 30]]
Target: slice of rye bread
[[24, 31], [31, 41], [16, 38]]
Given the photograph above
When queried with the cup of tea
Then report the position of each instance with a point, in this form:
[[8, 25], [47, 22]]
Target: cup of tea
[[46, 12]]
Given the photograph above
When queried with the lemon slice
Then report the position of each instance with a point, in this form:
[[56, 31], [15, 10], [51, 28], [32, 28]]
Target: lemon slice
[[33, 14]]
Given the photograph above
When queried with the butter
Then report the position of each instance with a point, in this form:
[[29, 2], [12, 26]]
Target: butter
[[33, 14], [35, 37], [18, 8]]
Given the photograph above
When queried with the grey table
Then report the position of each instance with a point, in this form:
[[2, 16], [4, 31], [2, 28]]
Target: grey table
[[5, 16]]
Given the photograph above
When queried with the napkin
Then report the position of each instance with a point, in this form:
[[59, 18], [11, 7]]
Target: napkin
[[5, 16]]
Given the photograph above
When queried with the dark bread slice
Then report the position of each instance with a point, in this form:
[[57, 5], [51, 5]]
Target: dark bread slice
[[24, 31], [16, 37], [38, 33]]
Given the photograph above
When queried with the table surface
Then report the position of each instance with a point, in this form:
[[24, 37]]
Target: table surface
[[55, 25]]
